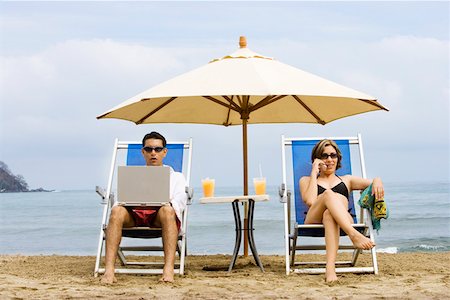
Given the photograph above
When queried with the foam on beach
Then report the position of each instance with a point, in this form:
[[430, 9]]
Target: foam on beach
[[424, 247], [390, 250]]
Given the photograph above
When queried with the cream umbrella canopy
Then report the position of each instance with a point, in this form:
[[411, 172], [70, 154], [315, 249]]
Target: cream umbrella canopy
[[244, 88]]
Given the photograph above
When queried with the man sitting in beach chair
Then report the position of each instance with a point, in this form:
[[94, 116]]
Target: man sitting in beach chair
[[166, 217]]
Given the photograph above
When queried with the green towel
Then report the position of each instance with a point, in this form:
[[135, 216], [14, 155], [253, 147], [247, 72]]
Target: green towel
[[378, 208]]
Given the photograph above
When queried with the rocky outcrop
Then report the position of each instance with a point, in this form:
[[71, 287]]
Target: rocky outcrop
[[10, 183]]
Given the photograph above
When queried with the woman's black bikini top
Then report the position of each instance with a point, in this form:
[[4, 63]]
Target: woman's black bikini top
[[339, 188]]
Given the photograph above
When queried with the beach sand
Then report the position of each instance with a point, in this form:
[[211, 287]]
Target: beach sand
[[402, 276]]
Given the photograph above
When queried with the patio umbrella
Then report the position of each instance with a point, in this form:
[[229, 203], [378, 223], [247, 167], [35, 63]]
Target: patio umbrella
[[244, 88]]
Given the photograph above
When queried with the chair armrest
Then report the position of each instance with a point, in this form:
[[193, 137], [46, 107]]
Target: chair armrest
[[111, 199], [100, 191], [281, 193], [190, 195]]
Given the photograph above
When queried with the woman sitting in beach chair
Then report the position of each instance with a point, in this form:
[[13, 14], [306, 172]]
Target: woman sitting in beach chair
[[326, 194]]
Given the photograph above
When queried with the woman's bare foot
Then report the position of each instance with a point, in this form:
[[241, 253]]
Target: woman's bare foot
[[108, 278], [360, 241]]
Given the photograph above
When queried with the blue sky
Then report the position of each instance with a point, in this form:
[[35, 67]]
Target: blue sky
[[64, 63]]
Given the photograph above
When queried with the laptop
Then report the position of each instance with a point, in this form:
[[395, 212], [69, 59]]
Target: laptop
[[143, 185]]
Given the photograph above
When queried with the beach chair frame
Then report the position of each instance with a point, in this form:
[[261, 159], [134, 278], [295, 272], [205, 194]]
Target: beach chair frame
[[146, 267], [293, 233]]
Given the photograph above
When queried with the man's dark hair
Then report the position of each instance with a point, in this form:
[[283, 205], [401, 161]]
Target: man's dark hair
[[154, 135]]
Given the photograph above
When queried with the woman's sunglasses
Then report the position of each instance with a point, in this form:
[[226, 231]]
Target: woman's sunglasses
[[326, 155]]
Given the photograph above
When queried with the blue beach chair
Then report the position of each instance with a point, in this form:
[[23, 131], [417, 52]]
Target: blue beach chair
[[179, 157], [301, 237]]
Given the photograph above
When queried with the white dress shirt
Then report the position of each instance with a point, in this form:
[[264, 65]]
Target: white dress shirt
[[178, 197]]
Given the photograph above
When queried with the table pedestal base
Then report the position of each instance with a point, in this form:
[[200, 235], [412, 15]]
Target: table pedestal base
[[239, 229]]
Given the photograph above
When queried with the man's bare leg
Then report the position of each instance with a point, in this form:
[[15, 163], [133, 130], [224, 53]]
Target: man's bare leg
[[118, 219], [166, 219]]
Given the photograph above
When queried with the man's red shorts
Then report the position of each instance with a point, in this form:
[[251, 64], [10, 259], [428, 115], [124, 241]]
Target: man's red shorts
[[146, 217]]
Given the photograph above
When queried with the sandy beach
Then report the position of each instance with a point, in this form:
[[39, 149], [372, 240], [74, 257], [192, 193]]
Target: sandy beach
[[402, 276]]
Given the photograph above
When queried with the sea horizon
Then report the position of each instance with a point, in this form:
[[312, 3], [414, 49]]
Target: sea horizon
[[198, 188]]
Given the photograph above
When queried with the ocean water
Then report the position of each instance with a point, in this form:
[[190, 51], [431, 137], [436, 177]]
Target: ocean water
[[69, 222]]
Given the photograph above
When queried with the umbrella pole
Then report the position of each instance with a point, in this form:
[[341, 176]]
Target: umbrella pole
[[244, 145]]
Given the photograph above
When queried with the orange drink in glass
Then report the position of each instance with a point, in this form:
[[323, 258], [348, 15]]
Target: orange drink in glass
[[208, 187], [260, 185]]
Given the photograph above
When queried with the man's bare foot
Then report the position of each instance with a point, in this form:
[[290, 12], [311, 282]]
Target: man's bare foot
[[167, 276], [330, 275], [108, 278], [166, 279], [361, 242]]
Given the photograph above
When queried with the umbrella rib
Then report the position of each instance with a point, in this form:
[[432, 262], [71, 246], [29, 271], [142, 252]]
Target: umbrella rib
[[375, 103], [240, 101], [227, 105], [266, 101], [262, 103], [230, 100], [140, 121], [227, 121], [319, 120]]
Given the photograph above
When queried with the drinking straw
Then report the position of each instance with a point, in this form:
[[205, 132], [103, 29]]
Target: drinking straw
[[260, 171]]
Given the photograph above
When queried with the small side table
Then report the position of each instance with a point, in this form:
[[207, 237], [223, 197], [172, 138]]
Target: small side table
[[235, 200]]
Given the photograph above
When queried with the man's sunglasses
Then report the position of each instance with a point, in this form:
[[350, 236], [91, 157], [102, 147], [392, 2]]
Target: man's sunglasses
[[326, 155], [150, 149]]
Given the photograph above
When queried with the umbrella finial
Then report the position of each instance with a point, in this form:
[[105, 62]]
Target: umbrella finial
[[242, 42]]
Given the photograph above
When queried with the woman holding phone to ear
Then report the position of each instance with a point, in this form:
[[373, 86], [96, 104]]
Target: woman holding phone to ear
[[327, 194]]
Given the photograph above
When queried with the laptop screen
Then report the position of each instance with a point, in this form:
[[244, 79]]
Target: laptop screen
[[143, 185]]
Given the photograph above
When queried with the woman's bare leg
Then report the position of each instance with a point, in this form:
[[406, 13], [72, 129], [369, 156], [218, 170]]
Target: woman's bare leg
[[315, 212], [331, 209], [331, 245], [335, 204]]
